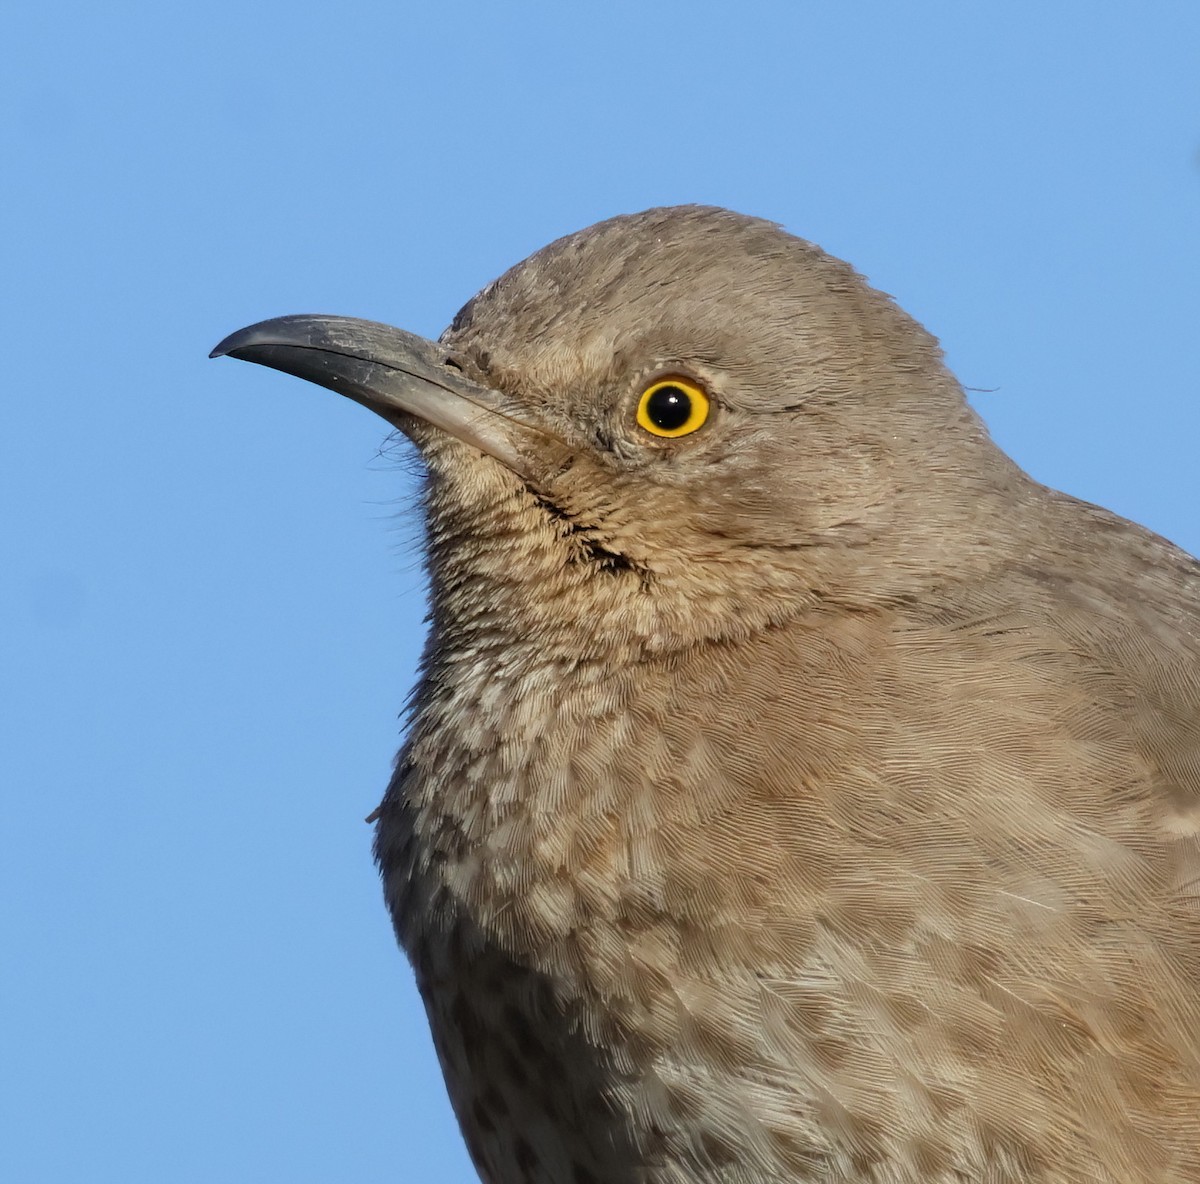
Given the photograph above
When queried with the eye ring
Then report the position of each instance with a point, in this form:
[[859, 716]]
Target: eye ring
[[671, 407]]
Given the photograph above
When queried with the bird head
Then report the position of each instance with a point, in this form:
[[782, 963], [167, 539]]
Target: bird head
[[675, 426]]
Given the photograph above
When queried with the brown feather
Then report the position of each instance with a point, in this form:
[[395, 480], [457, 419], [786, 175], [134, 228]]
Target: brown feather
[[816, 798]]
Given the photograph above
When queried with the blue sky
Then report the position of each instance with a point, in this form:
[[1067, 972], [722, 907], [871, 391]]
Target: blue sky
[[211, 602]]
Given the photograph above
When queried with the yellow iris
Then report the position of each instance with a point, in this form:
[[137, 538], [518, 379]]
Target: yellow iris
[[672, 407]]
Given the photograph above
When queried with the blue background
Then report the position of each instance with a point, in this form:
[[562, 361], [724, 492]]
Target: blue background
[[210, 595]]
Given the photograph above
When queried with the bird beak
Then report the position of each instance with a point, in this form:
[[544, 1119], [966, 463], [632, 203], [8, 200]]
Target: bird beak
[[396, 374]]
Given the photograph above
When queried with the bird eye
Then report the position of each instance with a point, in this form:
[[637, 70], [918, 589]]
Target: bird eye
[[672, 407]]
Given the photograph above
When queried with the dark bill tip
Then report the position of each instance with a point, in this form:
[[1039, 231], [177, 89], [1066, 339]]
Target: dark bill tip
[[396, 374], [305, 331]]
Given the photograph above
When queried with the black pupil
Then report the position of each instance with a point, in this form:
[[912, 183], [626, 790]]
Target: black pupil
[[669, 408]]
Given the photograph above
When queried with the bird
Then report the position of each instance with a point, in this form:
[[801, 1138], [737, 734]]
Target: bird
[[794, 789]]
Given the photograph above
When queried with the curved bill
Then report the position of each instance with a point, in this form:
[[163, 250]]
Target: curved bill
[[398, 375]]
